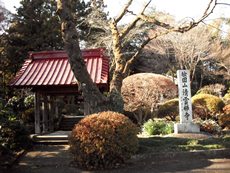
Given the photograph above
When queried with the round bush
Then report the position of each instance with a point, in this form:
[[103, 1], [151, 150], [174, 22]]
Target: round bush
[[143, 92], [206, 106], [169, 110], [103, 140]]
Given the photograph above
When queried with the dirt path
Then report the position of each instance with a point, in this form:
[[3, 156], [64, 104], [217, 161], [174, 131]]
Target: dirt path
[[57, 159]]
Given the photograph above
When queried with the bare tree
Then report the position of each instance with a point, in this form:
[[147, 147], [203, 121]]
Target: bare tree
[[4, 16], [221, 54], [122, 64], [191, 47]]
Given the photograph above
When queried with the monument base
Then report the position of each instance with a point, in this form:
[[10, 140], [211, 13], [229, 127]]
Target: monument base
[[186, 128]]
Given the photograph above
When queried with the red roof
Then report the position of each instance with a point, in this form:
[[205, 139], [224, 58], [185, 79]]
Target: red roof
[[52, 68]]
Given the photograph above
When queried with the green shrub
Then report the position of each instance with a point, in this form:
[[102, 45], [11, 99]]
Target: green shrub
[[29, 101], [14, 136], [28, 116], [169, 110], [206, 106], [152, 127], [103, 140], [226, 98]]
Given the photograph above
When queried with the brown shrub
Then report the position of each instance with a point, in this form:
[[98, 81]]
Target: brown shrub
[[209, 125], [224, 119], [103, 140], [144, 91]]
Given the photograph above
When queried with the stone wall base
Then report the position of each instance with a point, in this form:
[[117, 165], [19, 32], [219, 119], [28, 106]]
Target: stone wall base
[[186, 128]]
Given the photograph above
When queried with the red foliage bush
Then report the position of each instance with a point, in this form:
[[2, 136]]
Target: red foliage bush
[[224, 119], [226, 109]]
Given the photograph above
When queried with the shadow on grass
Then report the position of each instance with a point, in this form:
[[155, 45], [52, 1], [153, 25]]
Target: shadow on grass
[[170, 154], [172, 144]]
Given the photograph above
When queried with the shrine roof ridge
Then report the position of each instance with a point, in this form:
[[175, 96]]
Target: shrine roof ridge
[[54, 54]]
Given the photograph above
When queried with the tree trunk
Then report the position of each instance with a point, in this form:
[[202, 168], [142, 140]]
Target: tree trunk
[[92, 96], [116, 100]]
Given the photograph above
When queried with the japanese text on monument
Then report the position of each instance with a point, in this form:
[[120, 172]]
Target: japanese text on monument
[[185, 105]]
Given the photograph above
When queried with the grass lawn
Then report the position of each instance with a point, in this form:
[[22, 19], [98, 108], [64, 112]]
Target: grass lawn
[[170, 144]]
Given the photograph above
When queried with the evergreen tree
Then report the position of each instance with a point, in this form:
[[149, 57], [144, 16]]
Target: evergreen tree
[[34, 28]]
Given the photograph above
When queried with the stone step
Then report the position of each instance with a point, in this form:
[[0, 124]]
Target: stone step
[[73, 117], [66, 128], [52, 142], [58, 137], [68, 122]]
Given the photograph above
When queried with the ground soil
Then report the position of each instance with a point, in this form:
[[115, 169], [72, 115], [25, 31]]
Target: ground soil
[[57, 159]]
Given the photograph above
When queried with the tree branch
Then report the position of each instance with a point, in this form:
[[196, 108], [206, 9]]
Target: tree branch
[[139, 50], [181, 29], [209, 10], [134, 22], [146, 5], [129, 27], [168, 28], [154, 21], [220, 3], [124, 10]]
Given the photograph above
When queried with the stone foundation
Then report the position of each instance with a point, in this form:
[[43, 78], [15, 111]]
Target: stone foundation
[[186, 128]]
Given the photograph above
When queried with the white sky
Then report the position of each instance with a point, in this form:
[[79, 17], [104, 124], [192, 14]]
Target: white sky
[[178, 8]]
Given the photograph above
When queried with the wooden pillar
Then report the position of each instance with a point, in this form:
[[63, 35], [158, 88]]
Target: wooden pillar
[[56, 112], [86, 108], [44, 114], [51, 113], [37, 104]]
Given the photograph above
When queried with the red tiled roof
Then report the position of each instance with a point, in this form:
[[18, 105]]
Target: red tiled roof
[[51, 68]]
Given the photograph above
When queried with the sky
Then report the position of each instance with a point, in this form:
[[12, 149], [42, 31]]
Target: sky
[[180, 9]]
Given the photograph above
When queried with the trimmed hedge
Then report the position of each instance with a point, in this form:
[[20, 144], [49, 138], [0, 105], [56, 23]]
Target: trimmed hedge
[[103, 140], [143, 92], [169, 110], [206, 106]]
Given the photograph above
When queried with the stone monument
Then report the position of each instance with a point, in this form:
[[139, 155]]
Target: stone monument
[[185, 105]]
